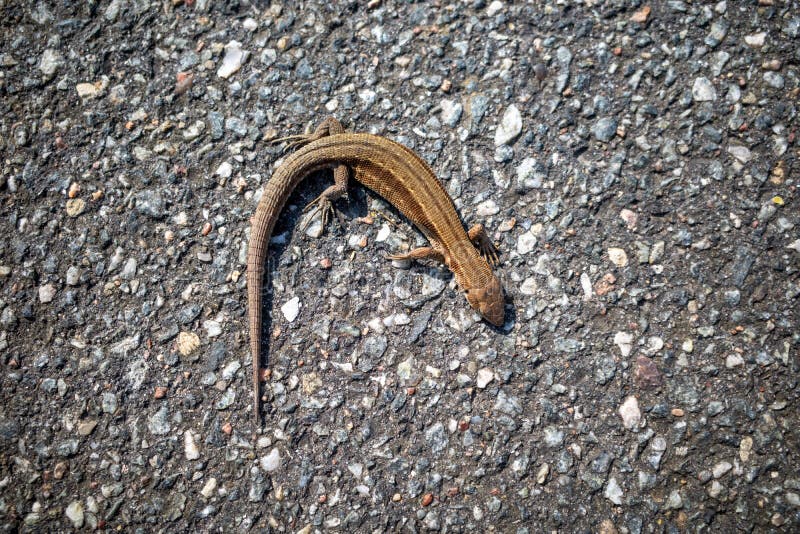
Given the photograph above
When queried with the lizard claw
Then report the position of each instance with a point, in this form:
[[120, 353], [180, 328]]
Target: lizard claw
[[294, 141], [489, 252], [321, 205]]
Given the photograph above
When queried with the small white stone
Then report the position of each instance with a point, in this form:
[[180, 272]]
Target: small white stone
[[74, 513], [733, 360], [332, 105], [50, 61], [510, 126], [451, 112], [291, 309], [209, 487], [624, 341], [73, 276], [224, 170], [47, 293], [654, 344], [487, 208], [741, 153], [229, 371], [86, 90], [721, 468], [586, 285], [250, 24], [271, 461], [213, 328], [629, 217], [190, 446], [383, 233], [526, 243], [703, 90], [494, 7], [529, 286], [232, 62], [613, 491], [485, 376], [618, 256], [756, 40], [629, 411]]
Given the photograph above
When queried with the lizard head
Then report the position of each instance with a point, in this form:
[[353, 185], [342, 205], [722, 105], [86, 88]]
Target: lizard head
[[488, 301]]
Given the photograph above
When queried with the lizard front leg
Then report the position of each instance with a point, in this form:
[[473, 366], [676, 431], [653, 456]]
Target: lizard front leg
[[421, 253], [477, 234]]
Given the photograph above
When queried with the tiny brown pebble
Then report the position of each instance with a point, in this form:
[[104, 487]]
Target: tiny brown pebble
[[411, 390], [206, 228], [397, 497], [183, 82], [495, 492], [227, 428], [641, 15], [607, 527], [160, 392], [300, 363], [372, 4], [617, 50], [74, 189], [60, 470], [363, 242], [60, 144], [129, 125], [446, 86], [677, 412], [463, 426], [452, 492], [322, 498], [264, 374], [540, 71], [97, 195], [427, 499], [325, 263], [647, 374]]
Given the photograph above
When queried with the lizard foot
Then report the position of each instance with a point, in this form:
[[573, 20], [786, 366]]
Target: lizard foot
[[321, 205], [479, 238]]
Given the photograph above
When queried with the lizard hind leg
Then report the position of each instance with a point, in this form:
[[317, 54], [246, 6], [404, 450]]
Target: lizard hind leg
[[329, 126], [421, 253], [481, 240], [323, 204]]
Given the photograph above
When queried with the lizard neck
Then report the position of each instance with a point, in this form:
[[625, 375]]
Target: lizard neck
[[467, 265]]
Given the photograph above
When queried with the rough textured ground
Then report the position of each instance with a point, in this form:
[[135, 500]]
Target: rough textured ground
[[636, 165]]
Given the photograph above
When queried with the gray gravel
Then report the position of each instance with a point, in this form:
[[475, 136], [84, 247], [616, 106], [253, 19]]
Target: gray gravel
[[636, 165]]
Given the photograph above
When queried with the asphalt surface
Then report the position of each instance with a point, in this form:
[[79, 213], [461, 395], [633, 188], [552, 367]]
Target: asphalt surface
[[636, 165]]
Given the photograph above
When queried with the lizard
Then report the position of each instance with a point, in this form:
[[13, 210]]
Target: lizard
[[401, 177]]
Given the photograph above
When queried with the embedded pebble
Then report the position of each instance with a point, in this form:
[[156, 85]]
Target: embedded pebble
[[703, 90], [618, 256], [47, 293], [485, 376], [510, 126], [75, 513], [232, 62], [271, 462], [190, 449], [629, 411], [291, 309]]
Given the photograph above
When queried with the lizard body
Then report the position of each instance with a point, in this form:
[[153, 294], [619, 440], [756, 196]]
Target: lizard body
[[399, 176]]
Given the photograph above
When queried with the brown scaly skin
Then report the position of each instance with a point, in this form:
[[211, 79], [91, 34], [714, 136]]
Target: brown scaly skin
[[402, 178]]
